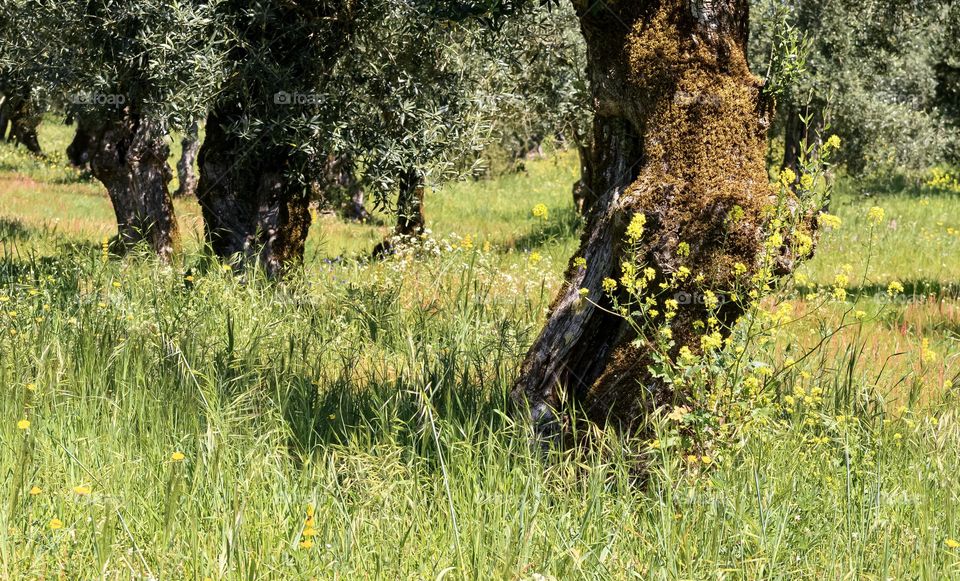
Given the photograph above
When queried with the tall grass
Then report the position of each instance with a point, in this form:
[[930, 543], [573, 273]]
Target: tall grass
[[353, 421]]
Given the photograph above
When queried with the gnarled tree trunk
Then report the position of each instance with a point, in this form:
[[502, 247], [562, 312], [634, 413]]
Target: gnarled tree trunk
[[128, 155], [251, 207], [24, 120], [679, 136], [190, 145]]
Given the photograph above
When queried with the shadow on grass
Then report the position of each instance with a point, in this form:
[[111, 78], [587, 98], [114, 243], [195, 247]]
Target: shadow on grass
[[565, 223], [913, 291], [342, 413], [12, 229]]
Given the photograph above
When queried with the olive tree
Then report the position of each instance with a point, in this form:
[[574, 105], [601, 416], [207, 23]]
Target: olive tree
[[870, 75], [126, 70]]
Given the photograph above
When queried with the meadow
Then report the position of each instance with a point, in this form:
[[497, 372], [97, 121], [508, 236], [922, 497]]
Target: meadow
[[180, 422]]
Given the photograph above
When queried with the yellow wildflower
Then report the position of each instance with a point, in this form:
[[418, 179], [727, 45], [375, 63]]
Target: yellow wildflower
[[35, 491], [177, 457], [833, 141], [635, 229], [875, 215], [787, 176], [580, 262], [609, 285], [23, 424], [678, 413], [952, 543], [829, 220], [82, 490], [56, 524], [711, 341], [894, 288], [541, 211]]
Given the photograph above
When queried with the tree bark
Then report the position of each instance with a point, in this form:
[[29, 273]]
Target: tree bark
[[679, 136], [341, 187], [410, 219], [187, 177], [128, 155], [78, 152], [24, 120], [583, 197], [252, 209]]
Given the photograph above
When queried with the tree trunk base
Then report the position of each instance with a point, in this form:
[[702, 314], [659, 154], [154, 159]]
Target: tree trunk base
[[128, 155], [252, 209]]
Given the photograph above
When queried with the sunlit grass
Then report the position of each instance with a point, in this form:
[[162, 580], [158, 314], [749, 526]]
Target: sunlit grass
[[374, 396]]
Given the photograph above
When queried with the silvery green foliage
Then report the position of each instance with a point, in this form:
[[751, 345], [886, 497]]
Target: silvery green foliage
[[163, 59], [542, 70], [870, 69], [412, 94]]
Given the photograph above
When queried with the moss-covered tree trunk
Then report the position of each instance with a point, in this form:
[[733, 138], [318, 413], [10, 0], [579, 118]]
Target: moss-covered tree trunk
[[679, 136], [128, 155], [186, 176], [252, 208]]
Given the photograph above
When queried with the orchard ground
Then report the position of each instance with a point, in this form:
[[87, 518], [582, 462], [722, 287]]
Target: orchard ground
[[179, 422]]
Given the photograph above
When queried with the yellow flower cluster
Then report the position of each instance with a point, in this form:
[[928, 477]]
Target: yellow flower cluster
[[541, 211], [309, 530], [875, 215], [829, 221], [635, 229]]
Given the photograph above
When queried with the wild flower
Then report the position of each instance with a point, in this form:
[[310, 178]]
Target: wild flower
[[787, 177], [894, 288], [23, 424], [875, 215], [579, 262], [711, 341], [833, 141], [82, 490], [56, 524], [541, 211], [635, 229], [829, 221], [678, 413], [34, 491], [609, 285], [177, 457]]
